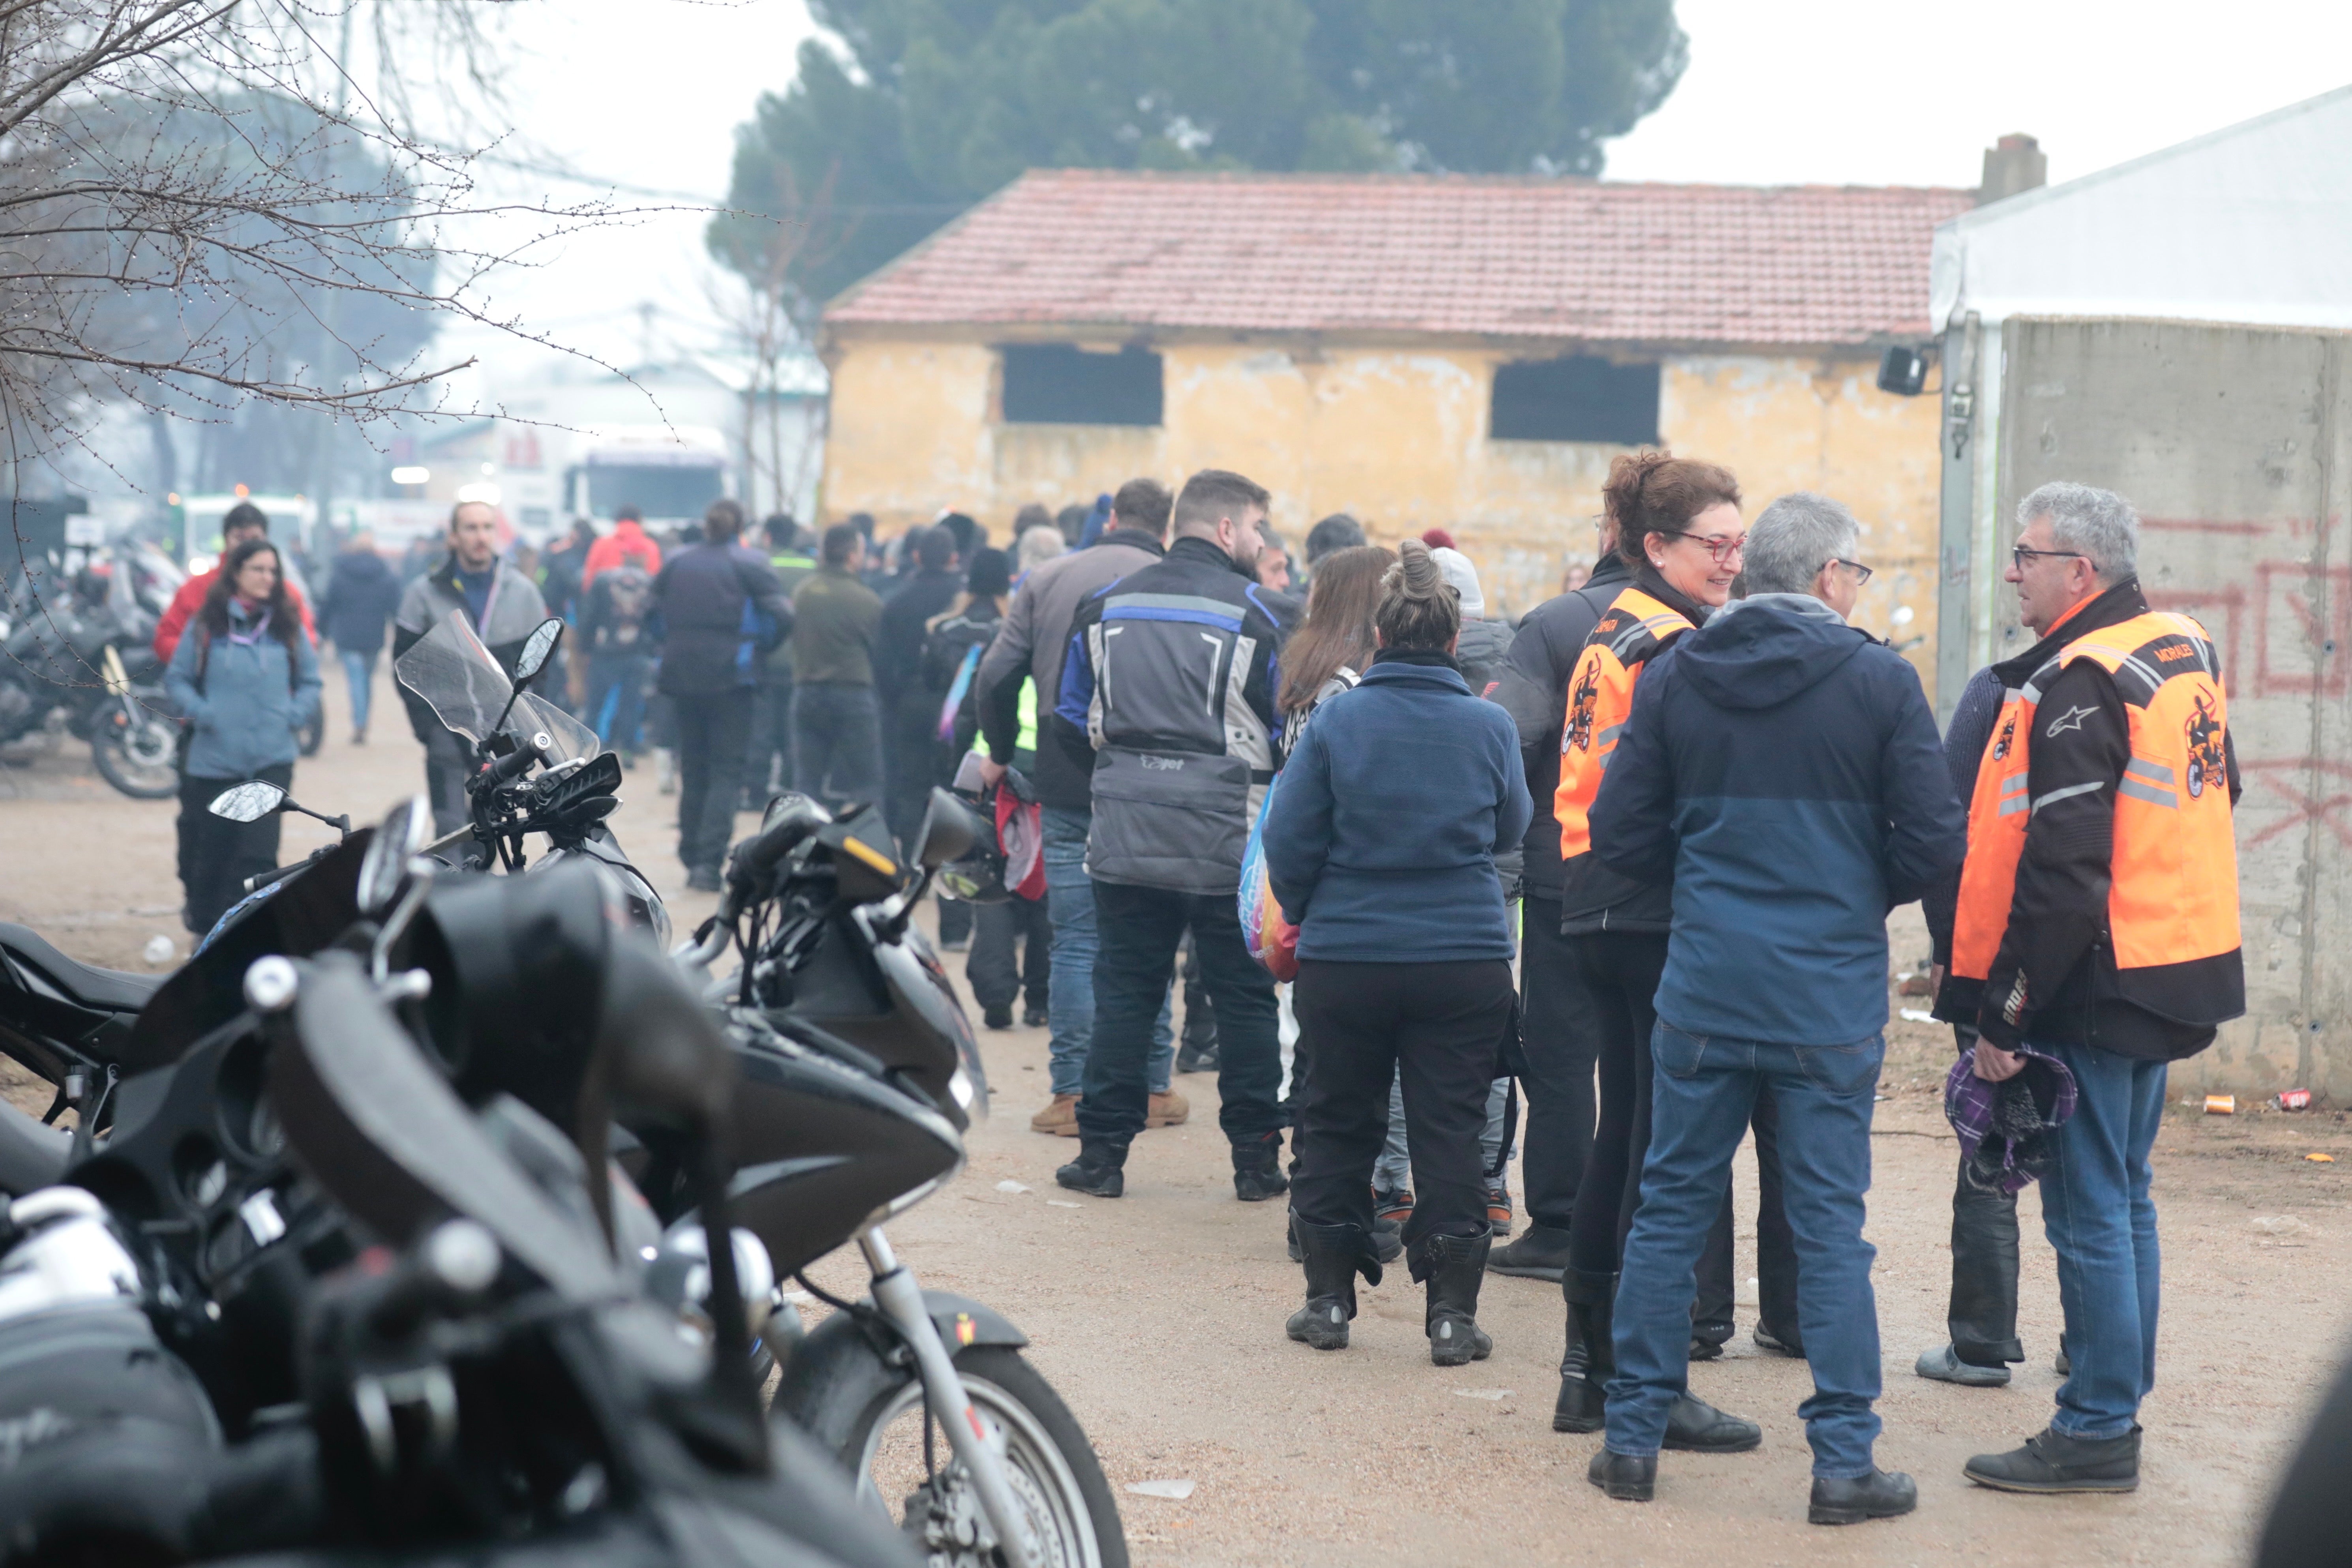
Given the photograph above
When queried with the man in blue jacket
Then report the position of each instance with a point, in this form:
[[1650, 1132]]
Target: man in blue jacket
[[1782, 768]]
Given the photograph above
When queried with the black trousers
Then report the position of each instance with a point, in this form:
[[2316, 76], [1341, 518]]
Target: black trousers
[[215, 855], [1776, 1248], [999, 975], [1982, 1315], [1558, 1046], [911, 761], [1138, 930], [770, 756], [1363, 1026], [1610, 985], [714, 733]]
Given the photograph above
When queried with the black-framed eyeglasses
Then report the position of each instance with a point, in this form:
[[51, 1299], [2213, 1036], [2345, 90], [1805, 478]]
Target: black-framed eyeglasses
[[2019, 555], [1717, 550], [1860, 574]]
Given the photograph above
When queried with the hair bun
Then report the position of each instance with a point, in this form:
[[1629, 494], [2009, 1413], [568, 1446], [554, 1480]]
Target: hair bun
[[1418, 575]]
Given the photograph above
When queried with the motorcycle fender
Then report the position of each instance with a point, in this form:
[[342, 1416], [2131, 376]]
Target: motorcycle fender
[[844, 1366]]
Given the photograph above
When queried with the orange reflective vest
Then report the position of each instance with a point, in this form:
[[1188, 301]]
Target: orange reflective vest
[[2172, 902], [1600, 696]]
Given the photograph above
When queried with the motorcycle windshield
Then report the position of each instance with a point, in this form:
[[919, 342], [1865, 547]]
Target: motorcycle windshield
[[461, 681], [458, 677]]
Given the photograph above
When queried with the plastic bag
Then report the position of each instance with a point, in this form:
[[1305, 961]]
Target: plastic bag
[[1272, 940]]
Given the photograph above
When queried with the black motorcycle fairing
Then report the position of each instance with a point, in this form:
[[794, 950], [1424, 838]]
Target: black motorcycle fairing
[[31, 1155], [310, 910]]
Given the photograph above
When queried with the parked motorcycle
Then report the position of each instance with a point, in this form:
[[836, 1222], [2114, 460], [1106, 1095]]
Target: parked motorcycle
[[857, 1073], [82, 659]]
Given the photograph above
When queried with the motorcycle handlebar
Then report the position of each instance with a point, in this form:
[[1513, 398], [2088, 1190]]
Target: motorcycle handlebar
[[517, 762]]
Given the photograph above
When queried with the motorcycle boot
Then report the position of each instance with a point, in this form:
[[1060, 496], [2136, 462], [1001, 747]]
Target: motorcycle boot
[[1100, 1170], [1586, 1365], [1257, 1169], [1452, 1268], [1333, 1256]]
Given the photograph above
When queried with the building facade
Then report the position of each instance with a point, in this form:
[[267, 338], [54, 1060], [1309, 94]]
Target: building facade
[[1415, 351]]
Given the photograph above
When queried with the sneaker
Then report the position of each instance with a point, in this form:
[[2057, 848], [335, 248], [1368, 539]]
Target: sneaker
[[1541, 1254], [1034, 1018], [1166, 1109], [1766, 1340], [1944, 1364], [1391, 1208], [1706, 1350], [1499, 1219], [1882, 1494], [997, 1017], [1094, 1173], [2051, 1461], [1059, 1119], [1196, 1058]]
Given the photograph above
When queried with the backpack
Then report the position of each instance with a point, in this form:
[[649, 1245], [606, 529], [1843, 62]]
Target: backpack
[[628, 593]]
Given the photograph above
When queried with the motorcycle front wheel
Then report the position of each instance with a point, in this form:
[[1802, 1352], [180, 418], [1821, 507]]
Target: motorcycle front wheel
[[1056, 1477], [138, 752]]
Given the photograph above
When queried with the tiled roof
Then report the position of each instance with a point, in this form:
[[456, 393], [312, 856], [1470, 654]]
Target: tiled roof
[[1450, 255]]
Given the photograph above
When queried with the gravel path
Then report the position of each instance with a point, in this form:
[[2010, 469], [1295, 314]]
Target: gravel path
[[1158, 1316]]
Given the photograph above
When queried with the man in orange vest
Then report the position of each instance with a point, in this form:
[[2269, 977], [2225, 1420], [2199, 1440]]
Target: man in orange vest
[[2097, 924]]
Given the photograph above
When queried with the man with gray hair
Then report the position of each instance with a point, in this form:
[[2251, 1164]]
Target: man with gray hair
[[1781, 769], [2094, 939]]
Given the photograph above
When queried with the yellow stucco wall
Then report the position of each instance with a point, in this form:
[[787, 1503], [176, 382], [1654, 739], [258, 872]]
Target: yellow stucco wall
[[1396, 436]]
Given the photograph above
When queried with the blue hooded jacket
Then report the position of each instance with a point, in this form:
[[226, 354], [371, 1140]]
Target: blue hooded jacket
[[1784, 768]]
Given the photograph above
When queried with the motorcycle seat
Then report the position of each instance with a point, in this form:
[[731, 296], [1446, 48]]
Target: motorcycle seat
[[85, 984]]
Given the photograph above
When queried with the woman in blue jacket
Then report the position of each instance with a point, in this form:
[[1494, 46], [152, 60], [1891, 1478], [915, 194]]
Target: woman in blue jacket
[[1379, 844], [246, 680]]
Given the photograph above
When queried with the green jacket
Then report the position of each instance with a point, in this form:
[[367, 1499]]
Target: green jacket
[[834, 617], [791, 570]]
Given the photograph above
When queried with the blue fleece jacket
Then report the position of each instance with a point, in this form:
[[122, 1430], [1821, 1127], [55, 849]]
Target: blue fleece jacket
[[242, 702], [1784, 768], [1381, 831]]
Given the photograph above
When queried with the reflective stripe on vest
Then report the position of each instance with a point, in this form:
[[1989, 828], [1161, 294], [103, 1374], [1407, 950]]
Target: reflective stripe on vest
[[1600, 696], [2173, 893]]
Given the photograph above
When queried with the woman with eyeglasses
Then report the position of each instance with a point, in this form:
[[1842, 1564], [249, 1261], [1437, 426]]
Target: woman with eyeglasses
[[1678, 527]]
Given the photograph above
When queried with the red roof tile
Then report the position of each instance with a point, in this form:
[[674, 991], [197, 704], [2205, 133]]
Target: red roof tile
[[1449, 255]]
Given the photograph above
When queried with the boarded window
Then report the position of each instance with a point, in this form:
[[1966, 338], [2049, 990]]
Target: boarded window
[[1055, 384], [1580, 398]]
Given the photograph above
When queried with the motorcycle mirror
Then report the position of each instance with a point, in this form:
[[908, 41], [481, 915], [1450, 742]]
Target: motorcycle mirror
[[537, 650], [947, 832], [404, 833], [249, 802]]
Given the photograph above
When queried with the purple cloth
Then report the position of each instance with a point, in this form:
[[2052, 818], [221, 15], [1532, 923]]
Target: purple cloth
[[2004, 1127]]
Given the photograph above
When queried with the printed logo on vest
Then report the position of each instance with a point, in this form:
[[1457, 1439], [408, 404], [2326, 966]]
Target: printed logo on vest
[[2008, 737], [2206, 758], [1164, 765], [1579, 712]]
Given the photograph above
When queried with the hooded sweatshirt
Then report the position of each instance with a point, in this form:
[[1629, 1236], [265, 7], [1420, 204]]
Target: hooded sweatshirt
[[1783, 770]]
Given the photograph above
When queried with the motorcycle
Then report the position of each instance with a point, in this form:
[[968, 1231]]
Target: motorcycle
[[453, 1340], [82, 660], [857, 1065]]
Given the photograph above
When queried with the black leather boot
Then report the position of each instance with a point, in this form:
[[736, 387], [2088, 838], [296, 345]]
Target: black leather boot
[[1334, 1255], [1100, 1170], [2051, 1461], [1257, 1169], [1882, 1494], [1585, 1368], [1695, 1426], [1624, 1477], [1452, 1268]]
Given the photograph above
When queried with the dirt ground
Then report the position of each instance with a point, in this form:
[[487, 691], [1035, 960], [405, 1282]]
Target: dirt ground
[[1158, 1316]]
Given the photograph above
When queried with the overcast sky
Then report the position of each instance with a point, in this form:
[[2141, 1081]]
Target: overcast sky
[[646, 93]]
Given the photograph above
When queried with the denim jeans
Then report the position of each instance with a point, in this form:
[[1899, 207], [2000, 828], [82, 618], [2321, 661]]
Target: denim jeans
[[1070, 983], [359, 669], [1138, 930], [1393, 1169], [2101, 1222], [1702, 1095], [616, 698]]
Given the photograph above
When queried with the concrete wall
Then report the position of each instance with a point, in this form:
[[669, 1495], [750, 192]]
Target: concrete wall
[[2235, 444], [1396, 436]]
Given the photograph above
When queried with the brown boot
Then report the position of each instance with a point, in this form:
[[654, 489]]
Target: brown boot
[[1059, 1119], [1168, 1109]]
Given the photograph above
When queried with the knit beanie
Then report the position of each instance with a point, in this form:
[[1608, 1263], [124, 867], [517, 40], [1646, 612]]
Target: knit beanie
[[1464, 579]]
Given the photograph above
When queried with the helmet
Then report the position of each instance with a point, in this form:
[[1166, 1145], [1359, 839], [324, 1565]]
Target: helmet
[[978, 876]]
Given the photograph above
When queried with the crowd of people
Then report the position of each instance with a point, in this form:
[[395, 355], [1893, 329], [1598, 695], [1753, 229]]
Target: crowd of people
[[1623, 864]]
